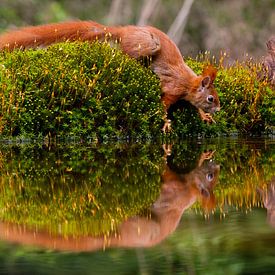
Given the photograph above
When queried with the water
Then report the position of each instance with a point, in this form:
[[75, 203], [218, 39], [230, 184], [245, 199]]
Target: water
[[191, 207]]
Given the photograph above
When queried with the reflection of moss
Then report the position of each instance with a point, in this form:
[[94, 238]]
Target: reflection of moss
[[245, 166], [78, 189], [90, 190], [184, 157], [241, 244]]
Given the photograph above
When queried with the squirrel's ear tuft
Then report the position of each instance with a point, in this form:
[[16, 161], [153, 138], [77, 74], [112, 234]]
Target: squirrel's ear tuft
[[210, 71], [206, 81]]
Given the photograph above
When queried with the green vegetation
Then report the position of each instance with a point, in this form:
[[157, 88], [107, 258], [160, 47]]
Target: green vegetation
[[95, 91], [80, 190], [124, 180], [77, 190], [247, 103], [75, 89], [244, 168]]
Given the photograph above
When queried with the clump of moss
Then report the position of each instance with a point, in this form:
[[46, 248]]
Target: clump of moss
[[77, 89], [247, 102]]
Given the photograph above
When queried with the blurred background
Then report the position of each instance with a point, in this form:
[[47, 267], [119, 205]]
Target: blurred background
[[238, 27]]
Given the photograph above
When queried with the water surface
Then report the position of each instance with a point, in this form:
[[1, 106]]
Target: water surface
[[191, 207]]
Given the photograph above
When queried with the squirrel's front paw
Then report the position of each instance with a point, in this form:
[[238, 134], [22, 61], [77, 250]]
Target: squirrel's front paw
[[206, 117], [167, 126], [167, 148], [207, 155]]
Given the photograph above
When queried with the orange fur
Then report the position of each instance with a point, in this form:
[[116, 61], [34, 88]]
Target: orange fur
[[178, 81]]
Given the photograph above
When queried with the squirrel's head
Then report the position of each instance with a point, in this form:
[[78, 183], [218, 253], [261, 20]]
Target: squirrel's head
[[206, 97]]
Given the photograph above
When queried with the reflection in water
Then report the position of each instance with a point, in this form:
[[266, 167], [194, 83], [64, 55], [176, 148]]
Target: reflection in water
[[268, 197], [179, 191], [78, 190], [85, 198]]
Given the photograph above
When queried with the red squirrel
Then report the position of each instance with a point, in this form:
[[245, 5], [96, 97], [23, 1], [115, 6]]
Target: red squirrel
[[178, 81]]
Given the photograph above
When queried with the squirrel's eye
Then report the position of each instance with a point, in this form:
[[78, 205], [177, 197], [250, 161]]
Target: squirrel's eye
[[210, 98], [209, 177]]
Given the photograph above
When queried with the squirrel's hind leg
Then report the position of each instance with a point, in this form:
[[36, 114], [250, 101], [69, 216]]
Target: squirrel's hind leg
[[140, 42]]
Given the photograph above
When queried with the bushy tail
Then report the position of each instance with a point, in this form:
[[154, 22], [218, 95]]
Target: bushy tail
[[44, 35]]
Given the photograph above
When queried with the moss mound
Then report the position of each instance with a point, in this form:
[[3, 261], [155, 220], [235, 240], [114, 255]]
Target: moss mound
[[94, 90], [77, 89], [247, 102]]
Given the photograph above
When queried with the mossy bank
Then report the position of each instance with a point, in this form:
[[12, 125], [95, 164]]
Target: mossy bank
[[77, 89], [94, 90]]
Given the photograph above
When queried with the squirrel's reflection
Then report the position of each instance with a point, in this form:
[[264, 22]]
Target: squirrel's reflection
[[180, 189]]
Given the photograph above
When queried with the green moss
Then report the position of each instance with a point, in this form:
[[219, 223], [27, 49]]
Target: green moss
[[247, 103], [77, 89], [95, 91]]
